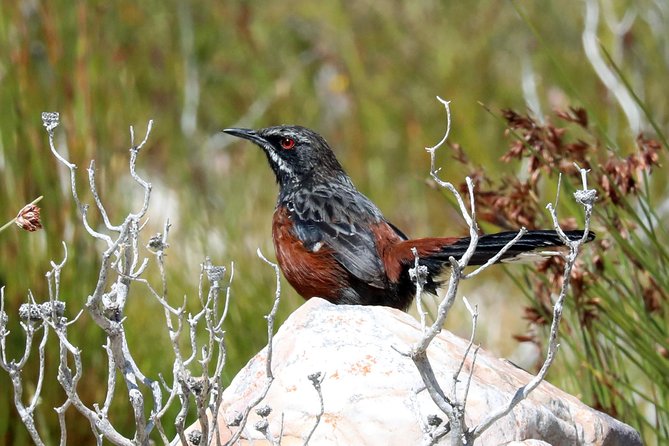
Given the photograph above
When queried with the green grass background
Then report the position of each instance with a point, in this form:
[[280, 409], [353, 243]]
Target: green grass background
[[365, 74]]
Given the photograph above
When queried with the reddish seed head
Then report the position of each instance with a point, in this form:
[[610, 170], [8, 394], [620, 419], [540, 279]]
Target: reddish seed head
[[28, 218]]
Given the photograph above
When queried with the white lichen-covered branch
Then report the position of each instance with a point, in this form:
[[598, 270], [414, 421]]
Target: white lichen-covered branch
[[453, 403], [196, 374]]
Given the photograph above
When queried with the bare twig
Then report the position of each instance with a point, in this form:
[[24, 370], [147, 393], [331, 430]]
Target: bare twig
[[316, 380], [121, 266], [419, 275], [269, 379], [454, 406], [418, 352], [51, 121], [494, 259], [98, 201], [474, 312], [586, 197]]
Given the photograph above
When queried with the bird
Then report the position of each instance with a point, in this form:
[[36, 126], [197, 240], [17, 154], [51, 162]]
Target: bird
[[333, 242]]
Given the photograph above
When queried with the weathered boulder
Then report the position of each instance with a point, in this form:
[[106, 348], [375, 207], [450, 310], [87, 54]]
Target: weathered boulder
[[372, 393]]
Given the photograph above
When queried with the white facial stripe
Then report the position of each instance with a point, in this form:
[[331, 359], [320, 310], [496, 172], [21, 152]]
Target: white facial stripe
[[283, 166]]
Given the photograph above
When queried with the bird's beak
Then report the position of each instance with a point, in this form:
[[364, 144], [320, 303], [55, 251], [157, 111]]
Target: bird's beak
[[249, 134]]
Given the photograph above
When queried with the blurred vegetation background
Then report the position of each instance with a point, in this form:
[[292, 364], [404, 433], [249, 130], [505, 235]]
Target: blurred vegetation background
[[364, 74]]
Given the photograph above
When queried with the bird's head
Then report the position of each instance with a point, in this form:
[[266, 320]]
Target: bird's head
[[295, 153]]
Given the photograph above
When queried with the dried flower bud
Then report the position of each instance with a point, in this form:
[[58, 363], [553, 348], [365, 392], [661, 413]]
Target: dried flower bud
[[156, 243], [315, 378], [237, 420], [50, 120], [28, 218], [195, 437], [262, 425], [38, 312], [434, 420], [214, 273], [263, 411]]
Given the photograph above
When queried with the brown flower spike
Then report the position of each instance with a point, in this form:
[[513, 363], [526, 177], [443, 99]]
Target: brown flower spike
[[28, 218]]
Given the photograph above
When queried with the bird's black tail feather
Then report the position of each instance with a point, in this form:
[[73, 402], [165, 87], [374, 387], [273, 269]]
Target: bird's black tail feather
[[490, 244]]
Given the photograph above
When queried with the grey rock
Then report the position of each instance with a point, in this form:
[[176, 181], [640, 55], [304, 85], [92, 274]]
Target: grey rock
[[372, 394]]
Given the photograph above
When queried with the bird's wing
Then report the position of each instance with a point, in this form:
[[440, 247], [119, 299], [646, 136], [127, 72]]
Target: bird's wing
[[341, 220]]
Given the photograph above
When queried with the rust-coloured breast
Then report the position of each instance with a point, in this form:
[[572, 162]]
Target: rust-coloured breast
[[312, 273]]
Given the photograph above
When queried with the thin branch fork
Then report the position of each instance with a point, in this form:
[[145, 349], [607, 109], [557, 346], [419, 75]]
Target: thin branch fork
[[453, 406], [106, 308], [120, 266], [242, 419], [586, 197], [418, 352]]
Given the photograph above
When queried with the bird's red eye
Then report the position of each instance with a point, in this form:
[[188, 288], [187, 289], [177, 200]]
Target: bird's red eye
[[287, 143]]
